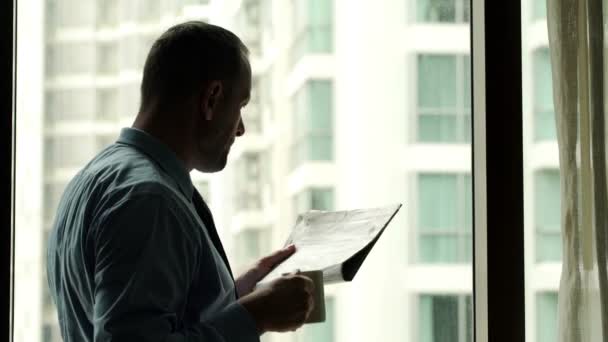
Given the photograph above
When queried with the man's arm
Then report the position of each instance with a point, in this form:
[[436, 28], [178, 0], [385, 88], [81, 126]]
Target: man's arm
[[144, 261]]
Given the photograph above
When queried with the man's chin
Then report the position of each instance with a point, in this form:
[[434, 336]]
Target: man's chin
[[218, 165]]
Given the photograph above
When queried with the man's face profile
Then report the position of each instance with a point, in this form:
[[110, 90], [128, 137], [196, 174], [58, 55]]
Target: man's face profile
[[219, 121]]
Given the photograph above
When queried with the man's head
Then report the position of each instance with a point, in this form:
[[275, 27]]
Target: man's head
[[197, 77]]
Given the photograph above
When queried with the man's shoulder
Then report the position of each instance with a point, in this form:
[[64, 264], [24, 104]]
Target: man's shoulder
[[121, 172]]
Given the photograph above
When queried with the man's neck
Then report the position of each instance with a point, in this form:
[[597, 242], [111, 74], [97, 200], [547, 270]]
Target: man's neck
[[166, 132]]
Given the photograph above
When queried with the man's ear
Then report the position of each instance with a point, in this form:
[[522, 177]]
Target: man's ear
[[211, 98]]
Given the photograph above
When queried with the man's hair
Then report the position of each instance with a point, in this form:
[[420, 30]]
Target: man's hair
[[186, 57]]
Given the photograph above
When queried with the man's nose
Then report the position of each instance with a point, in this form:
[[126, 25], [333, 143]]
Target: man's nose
[[241, 128]]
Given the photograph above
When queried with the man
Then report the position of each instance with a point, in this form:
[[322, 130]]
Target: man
[[134, 254]]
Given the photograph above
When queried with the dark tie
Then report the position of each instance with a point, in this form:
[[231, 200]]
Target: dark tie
[[205, 214]]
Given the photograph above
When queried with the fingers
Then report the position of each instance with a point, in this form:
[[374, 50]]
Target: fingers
[[277, 257]]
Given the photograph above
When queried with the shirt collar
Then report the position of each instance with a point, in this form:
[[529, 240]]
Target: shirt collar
[[160, 153]]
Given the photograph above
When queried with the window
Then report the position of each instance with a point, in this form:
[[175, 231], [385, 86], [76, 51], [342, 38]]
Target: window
[[248, 182], [70, 104], [107, 103], [252, 115], [321, 332], [107, 58], [444, 218], [69, 151], [323, 138], [129, 100], [544, 114], [539, 10], [444, 99], [250, 26], [313, 123], [445, 318], [443, 11], [546, 317], [74, 13], [547, 215], [129, 52], [314, 199], [68, 58], [313, 27], [251, 244], [148, 10], [107, 12]]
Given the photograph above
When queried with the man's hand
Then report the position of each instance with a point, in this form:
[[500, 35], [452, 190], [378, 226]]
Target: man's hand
[[247, 281], [282, 305]]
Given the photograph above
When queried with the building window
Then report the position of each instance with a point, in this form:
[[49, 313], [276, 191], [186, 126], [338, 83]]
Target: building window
[[321, 332], [313, 123], [547, 208], [248, 182], [539, 9], [148, 10], [444, 218], [546, 316], [444, 99], [107, 104], [107, 13], [250, 245], [75, 13], [443, 11], [108, 58], [313, 27], [130, 52], [69, 58], [544, 113], [129, 99], [252, 114], [314, 199], [445, 318], [249, 25], [69, 151], [70, 105]]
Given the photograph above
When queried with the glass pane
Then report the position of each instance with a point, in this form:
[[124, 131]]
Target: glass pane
[[546, 317], [437, 10], [338, 119], [439, 248], [437, 200], [542, 204], [445, 318], [437, 81], [539, 10], [444, 105], [312, 27], [544, 120], [437, 128]]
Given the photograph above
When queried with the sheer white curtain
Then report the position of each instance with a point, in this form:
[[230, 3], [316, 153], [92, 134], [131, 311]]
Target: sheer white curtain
[[576, 41]]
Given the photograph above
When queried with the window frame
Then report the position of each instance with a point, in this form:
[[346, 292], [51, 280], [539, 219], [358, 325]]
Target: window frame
[[8, 10], [498, 253], [497, 164]]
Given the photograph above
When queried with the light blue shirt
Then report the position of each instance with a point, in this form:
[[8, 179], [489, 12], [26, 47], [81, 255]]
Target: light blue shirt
[[129, 258]]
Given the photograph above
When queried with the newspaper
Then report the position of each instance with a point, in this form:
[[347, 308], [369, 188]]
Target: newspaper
[[336, 242]]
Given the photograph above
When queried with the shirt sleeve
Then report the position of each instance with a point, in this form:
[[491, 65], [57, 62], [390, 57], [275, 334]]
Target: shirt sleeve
[[144, 262]]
